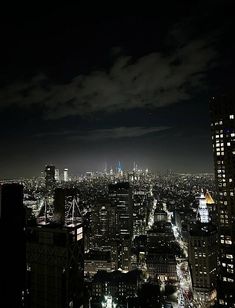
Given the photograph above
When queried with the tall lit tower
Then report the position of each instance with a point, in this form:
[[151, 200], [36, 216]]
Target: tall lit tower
[[66, 174], [121, 223], [203, 213], [203, 254], [222, 111], [49, 176], [57, 175]]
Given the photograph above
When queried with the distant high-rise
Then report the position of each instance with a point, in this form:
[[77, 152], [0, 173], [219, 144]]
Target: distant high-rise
[[49, 176], [57, 175], [122, 222], [66, 174], [222, 111], [12, 233]]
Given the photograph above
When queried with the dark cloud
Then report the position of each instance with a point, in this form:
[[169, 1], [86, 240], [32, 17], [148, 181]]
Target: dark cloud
[[109, 133], [153, 81]]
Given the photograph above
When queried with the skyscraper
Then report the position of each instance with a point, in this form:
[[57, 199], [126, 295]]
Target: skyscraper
[[57, 175], [66, 174], [203, 254], [120, 197], [49, 176], [12, 233], [222, 111]]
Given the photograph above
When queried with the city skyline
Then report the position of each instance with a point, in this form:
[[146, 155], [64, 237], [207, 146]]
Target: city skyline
[[77, 92]]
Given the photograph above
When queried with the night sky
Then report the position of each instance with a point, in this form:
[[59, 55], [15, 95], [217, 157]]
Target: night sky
[[78, 91]]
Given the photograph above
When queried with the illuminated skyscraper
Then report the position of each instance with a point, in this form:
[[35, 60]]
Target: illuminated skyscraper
[[203, 239], [66, 175], [49, 176], [203, 213], [223, 137], [57, 175]]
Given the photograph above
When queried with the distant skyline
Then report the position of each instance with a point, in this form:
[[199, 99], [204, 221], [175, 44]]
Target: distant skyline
[[81, 91]]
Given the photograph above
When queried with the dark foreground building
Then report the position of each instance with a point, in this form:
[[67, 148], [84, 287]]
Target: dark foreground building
[[223, 137], [12, 235], [55, 260]]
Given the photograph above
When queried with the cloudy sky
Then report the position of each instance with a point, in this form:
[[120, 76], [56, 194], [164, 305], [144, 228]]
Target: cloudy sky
[[78, 91]]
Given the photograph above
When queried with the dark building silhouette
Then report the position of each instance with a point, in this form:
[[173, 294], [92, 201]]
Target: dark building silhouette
[[55, 259], [59, 206], [223, 137], [12, 232]]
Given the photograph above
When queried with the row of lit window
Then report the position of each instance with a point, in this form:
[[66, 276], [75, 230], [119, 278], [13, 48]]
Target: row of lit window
[[200, 255], [222, 302], [224, 202], [219, 134], [223, 217], [223, 222], [217, 123], [224, 193], [228, 242], [223, 212], [228, 279], [231, 117], [221, 145]]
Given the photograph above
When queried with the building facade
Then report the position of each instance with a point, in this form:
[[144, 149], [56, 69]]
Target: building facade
[[222, 111], [120, 197], [49, 176]]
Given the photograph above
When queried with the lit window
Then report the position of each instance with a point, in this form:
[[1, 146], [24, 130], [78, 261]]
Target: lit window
[[232, 134], [230, 180], [220, 122], [228, 144], [231, 116]]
